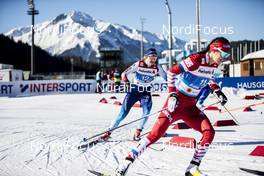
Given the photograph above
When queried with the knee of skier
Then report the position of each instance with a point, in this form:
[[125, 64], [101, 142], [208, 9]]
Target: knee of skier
[[208, 136]]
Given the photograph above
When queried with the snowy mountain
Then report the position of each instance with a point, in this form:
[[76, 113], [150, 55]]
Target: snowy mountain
[[79, 34]]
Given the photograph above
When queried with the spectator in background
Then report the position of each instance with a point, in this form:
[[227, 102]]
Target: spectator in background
[[98, 78], [117, 80], [111, 81], [105, 80], [111, 75]]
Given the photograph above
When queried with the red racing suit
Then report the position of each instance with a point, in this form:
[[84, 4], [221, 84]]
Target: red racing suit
[[194, 74]]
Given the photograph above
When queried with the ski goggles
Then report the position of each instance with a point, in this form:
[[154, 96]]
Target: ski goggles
[[223, 54], [152, 55]]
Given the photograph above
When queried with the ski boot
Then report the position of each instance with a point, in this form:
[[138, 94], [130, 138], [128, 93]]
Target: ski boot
[[123, 167], [193, 170], [136, 136]]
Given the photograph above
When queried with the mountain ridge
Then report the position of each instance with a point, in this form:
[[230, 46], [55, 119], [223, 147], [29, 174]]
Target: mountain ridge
[[79, 34]]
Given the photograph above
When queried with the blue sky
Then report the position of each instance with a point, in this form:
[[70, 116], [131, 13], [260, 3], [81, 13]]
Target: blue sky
[[237, 19]]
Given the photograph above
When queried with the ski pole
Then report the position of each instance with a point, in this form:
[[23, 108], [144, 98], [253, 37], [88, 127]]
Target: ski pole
[[227, 110], [213, 103], [204, 107], [128, 123]]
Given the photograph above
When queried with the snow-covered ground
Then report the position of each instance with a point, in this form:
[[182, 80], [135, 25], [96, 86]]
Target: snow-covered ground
[[39, 135]]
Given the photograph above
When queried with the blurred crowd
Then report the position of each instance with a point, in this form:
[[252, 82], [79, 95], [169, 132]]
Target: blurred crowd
[[108, 81]]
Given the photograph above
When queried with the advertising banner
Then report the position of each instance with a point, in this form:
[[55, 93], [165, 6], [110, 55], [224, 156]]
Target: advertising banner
[[47, 87]]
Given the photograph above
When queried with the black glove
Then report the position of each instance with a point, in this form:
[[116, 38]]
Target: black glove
[[221, 96], [173, 102]]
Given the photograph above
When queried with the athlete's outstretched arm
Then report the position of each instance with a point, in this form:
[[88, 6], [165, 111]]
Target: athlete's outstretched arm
[[172, 76], [213, 85], [189, 64], [130, 70], [162, 73], [215, 88]]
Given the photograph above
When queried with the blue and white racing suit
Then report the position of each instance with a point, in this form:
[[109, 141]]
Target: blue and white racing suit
[[141, 76]]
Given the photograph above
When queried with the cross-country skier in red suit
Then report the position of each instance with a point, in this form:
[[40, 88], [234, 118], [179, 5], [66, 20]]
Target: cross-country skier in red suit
[[195, 72]]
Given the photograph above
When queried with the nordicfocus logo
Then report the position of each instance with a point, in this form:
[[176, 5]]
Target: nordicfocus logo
[[205, 71], [55, 87]]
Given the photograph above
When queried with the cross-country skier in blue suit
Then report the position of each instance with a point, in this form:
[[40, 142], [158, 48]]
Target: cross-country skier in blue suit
[[143, 73]]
